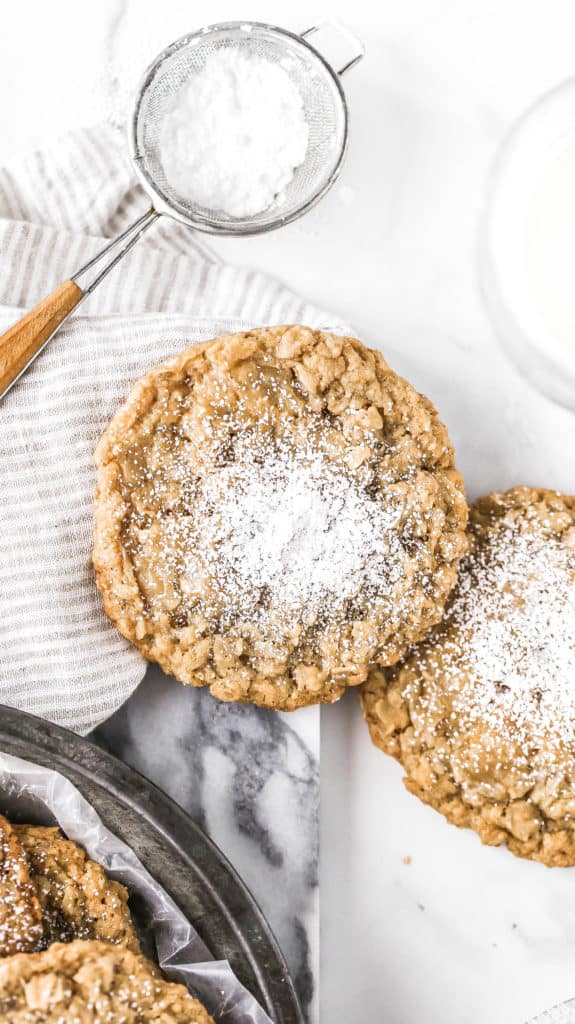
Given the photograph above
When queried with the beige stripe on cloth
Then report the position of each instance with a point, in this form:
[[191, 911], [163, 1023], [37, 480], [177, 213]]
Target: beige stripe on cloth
[[59, 656]]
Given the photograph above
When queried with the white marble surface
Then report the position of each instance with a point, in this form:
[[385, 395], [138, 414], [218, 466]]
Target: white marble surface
[[462, 935]]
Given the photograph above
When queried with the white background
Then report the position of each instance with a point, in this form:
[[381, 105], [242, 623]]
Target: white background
[[462, 933]]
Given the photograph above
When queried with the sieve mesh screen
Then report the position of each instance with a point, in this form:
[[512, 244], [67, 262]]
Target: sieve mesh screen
[[324, 109]]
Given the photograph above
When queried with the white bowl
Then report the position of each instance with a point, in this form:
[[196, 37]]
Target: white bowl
[[527, 245]]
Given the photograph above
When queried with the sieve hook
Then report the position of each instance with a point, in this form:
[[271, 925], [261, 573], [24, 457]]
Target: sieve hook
[[347, 33]]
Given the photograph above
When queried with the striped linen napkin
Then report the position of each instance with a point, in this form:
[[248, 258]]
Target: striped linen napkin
[[59, 656]]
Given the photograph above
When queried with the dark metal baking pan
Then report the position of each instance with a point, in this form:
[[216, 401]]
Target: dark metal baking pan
[[175, 851]]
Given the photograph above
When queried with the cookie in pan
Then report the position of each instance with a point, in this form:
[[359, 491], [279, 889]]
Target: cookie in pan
[[21, 929], [482, 714], [276, 510], [77, 899], [91, 982]]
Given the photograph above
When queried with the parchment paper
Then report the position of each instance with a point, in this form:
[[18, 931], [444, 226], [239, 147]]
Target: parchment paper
[[30, 792]]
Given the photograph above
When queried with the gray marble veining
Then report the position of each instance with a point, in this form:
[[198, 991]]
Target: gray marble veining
[[249, 778]]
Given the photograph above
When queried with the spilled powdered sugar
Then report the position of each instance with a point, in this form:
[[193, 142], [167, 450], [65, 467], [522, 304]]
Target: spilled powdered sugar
[[508, 652], [286, 526]]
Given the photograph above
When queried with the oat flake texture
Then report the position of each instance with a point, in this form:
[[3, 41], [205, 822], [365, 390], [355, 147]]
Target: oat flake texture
[[482, 714], [91, 983], [21, 929], [275, 510], [77, 898]]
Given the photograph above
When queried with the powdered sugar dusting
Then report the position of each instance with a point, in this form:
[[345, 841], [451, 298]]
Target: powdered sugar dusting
[[234, 133], [21, 928], [507, 655], [288, 523]]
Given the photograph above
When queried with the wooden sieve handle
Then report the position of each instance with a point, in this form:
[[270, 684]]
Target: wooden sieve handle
[[24, 340]]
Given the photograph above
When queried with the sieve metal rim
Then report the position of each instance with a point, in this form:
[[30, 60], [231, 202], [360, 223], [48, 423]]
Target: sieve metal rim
[[161, 203]]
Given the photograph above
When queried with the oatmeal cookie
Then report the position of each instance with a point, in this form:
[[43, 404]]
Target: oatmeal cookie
[[482, 714], [91, 982], [77, 898], [20, 911], [276, 510]]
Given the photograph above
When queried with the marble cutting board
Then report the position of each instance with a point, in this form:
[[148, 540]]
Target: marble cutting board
[[250, 778]]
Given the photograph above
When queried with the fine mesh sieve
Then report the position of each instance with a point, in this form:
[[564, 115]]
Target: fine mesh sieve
[[324, 106], [325, 109]]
